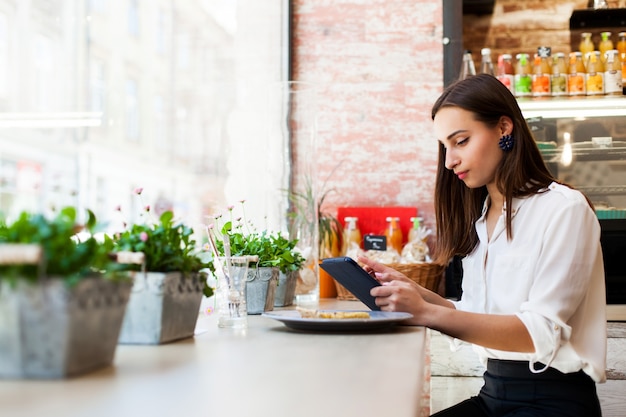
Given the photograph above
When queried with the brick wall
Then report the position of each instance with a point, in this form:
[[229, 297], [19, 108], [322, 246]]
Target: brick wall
[[379, 66], [520, 26]]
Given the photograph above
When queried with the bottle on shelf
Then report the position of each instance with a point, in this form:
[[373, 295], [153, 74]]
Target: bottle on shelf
[[558, 80], [467, 69], [594, 79], [613, 73], [486, 65], [394, 234], [351, 234], [586, 44], [606, 44], [576, 75], [542, 70], [621, 48], [523, 77], [415, 228], [505, 71]]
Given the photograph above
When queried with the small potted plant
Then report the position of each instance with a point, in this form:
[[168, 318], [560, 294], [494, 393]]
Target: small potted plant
[[272, 280], [168, 285], [62, 298]]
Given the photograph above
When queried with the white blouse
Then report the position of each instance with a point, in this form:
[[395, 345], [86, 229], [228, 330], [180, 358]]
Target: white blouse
[[550, 275]]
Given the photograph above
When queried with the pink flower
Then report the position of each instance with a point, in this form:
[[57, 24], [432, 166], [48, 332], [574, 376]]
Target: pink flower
[[147, 208], [230, 208], [118, 208], [143, 236], [138, 190]]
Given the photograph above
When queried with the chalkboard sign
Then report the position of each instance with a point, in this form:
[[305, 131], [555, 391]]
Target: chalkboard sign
[[375, 242]]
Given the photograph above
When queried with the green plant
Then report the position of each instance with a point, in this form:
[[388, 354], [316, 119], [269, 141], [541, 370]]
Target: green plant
[[272, 248], [167, 246], [64, 254]]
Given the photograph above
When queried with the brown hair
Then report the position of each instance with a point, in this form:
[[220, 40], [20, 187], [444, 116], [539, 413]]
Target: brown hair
[[521, 171]]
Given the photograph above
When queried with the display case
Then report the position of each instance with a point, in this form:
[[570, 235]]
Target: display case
[[583, 141]]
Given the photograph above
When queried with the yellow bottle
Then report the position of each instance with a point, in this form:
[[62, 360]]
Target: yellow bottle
[[558, 80], [394, 234], [606, 44], [594, 80], [351, 234], [586, 44]]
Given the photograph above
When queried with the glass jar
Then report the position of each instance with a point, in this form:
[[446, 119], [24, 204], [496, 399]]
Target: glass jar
[[576, 75], [523, 78], [558, 80], [594, 80], [586, 44]]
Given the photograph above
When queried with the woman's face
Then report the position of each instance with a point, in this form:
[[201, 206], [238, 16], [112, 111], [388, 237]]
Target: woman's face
[[472, 150]]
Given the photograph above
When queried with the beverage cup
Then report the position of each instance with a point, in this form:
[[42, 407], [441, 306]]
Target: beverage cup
[[230, 294]]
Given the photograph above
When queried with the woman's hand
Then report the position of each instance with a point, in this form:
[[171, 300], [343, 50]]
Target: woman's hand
[[400, 293]]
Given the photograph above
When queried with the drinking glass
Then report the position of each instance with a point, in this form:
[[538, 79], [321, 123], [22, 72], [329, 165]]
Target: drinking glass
[[230, 294]]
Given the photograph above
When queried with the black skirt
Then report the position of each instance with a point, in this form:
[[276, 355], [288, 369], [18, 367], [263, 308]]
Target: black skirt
[[511, 389]]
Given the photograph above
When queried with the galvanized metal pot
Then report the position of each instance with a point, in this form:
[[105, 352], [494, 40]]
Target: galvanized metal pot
[[163, 307], [286, 289], [50, 330], [261, 289]]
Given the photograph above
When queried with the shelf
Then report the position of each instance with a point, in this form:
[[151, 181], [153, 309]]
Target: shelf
[[573, 107]]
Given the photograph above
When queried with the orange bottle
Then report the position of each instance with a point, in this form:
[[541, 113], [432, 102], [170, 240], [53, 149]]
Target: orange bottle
[[576, 75], [542, 70], [621, 48], [394, 234], [606, 44]]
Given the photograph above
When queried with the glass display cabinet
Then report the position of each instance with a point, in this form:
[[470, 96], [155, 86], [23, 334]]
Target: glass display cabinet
[[583, 141]]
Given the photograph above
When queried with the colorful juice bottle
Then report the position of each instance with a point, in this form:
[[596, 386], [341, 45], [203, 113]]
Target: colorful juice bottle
[[621, 48], [576, 75], [613, 73], [594, 80], [394, 234], [558, 80], [414, 232], [542, 71], [505, 71], [606, 44], [586, 44], [523, 77]]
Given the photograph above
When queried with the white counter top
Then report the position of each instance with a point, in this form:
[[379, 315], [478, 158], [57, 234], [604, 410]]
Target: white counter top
[[264, 371]]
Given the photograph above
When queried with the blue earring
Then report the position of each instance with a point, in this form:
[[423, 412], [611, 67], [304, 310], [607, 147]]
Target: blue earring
[[506, 143]]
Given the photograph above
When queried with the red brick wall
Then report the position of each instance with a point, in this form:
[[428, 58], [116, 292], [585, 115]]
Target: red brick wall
[[379, 65], [520, 26]]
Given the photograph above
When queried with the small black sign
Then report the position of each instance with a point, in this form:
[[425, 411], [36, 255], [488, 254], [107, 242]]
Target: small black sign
[[374, 242]]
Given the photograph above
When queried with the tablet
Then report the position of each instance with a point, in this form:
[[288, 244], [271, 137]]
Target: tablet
[[356, 280]]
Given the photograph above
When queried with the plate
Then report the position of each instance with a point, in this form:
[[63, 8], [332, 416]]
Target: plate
[[378, 320]]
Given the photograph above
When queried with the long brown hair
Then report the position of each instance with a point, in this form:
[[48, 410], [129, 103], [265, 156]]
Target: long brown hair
[[521, 171]]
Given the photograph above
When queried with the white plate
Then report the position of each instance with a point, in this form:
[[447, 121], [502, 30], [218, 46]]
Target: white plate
[[378, 320]]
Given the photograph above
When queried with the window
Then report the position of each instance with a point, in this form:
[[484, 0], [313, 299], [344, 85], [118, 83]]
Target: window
[[133, 17], [132, 110], [4, 56], [97, 87], [43, 67]]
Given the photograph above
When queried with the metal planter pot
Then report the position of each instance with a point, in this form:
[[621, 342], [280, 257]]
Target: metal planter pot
[[163, 307], [286, 289], [261, 289], [50, 330]]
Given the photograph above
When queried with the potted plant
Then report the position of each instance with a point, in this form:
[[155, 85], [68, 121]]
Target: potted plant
[[168, 286], [271, 280], [306, 213], [62, 298]]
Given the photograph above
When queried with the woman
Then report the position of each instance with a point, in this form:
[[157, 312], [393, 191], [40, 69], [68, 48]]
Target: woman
[[533, 300]]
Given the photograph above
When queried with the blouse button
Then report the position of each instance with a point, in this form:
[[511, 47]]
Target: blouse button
[[556, 327]]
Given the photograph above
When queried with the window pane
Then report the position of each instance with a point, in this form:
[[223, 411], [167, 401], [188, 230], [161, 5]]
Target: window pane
[[176, 103]]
